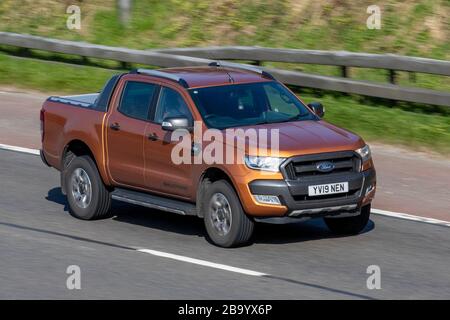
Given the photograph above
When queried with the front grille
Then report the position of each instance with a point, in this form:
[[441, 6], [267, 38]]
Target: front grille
[[306, 166]]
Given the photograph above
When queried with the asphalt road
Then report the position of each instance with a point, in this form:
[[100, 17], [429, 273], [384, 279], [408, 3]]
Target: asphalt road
[[39, 240]]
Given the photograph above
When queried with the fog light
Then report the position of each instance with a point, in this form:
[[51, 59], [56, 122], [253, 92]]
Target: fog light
[[267, 199]]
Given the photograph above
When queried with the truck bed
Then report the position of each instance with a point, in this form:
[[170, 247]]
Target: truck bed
[[82, 100], [94, 101]]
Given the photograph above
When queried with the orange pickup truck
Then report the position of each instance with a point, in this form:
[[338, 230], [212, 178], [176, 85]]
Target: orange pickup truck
[[124, 143]]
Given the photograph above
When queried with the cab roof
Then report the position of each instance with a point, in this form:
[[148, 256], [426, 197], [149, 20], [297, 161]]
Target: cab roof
[[208, 76]]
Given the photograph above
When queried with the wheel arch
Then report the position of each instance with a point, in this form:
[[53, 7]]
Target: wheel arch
[[76, 148], [212, 174]]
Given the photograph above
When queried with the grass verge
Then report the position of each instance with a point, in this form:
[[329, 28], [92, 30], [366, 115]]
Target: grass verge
[[51, 76]]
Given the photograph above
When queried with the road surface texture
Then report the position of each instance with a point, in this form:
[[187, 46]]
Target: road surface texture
[[39, 240], [408, 182]]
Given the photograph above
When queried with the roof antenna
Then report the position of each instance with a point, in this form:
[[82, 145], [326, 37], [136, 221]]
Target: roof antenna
[[217, 64], [230, 78]]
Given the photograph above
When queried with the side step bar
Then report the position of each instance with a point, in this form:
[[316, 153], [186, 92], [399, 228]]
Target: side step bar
[[154, 202]]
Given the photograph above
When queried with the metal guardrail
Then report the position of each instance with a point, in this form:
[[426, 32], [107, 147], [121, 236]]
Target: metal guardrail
[[202, 56], [98, 51], [334, 58]]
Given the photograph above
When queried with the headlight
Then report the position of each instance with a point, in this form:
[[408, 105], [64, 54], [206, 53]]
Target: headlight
[[364, 152], [264, 163]]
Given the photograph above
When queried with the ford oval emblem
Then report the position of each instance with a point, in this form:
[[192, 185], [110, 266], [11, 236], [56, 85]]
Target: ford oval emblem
[[325, 166]]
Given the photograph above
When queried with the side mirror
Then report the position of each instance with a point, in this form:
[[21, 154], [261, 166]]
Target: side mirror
[[175, 123], [318, 108]]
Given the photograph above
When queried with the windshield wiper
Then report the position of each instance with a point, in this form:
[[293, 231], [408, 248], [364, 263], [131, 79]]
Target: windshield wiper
[[296, 117], [262, 122]]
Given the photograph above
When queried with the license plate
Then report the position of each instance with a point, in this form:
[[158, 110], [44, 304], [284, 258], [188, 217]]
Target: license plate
[[331, 188]]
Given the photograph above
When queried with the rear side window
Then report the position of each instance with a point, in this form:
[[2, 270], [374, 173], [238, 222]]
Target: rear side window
[[136, 99]]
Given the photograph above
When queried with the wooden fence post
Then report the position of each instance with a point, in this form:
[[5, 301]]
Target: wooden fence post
[[392, 77], [124, 7]]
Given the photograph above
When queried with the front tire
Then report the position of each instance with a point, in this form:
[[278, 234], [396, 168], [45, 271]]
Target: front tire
[[226, 223], [87, 195], [349, 225]]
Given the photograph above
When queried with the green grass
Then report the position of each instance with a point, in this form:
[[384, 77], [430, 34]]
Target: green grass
[[373, 123], [388, 125], [51, 76], [409, 27]]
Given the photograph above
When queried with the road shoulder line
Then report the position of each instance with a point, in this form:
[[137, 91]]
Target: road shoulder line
[[406, 216], [19, 149]]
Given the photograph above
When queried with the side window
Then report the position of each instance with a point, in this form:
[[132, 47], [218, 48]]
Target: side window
[[280, 102], [136, 99], [171, 104]]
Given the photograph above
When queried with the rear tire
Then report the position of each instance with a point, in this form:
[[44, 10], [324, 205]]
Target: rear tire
[[226, 223], [87, 195], [350, 225]]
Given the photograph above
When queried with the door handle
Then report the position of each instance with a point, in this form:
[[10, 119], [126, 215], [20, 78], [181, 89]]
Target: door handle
[[153, 137], [115, 126]]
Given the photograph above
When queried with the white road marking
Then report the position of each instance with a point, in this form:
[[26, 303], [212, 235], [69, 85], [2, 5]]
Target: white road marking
[[411, 217], [19, 149], [203, 262], [399, 215]]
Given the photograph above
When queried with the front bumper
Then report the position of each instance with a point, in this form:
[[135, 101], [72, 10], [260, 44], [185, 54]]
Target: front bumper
[[293, 194]]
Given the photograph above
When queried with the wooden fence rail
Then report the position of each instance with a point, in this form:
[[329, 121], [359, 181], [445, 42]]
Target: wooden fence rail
[[203, 56]]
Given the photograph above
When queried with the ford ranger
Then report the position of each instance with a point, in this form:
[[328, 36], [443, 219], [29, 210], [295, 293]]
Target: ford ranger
[[118, 144]]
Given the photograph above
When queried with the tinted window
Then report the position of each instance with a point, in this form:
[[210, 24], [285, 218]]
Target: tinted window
[[171, 104], [136, 99], [249, 104], [280, 101]]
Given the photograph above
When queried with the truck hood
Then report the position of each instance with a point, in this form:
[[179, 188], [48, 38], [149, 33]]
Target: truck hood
[[304, 137]]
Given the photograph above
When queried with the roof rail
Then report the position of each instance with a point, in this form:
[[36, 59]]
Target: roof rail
[[162, 74], [243, 67]]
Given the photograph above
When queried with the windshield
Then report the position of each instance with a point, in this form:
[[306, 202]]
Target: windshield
[[237, 105]]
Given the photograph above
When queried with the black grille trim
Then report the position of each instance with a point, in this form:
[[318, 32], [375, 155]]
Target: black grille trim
[[299, 167]]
